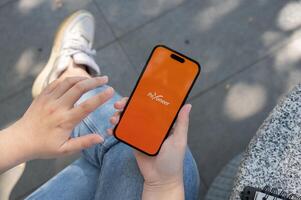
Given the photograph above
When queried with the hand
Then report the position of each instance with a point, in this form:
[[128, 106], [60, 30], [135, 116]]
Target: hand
[[163, 172], [46, 126]]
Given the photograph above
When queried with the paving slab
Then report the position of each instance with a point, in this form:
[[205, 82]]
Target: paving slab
[[27, 31], [3, 3], [14, 107], [225, 118], [224, 36], [124, 16], [114, 63], [202, 190]]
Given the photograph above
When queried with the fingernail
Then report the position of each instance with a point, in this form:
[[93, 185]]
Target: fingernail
[[189, 107], [109, 90], [100, 139], [103, 78], [106, 78], [109, 131]]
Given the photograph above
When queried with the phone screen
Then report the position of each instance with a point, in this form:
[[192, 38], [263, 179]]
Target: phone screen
[[158, 95]]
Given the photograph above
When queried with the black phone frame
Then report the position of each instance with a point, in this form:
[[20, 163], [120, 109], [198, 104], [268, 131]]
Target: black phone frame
[[183, 102]]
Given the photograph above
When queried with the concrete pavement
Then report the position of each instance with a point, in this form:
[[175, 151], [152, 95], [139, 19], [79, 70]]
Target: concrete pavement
[[250, 52]]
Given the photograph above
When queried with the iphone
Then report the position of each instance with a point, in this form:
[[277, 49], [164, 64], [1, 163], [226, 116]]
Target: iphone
[[159, 93]]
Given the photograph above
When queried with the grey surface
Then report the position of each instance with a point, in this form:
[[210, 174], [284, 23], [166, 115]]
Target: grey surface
[[27, 36], [114, 63], [250, 53], [14, 106], [222, 185], [230, 44], [273, 156], [4, 2], [124, 16], [225, 118], [37, 172]]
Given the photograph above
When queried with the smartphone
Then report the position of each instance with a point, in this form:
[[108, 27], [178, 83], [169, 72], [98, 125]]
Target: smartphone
[[159, 93]]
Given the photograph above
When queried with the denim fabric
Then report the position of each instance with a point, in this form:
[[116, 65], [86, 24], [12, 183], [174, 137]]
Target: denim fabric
[[106, 171]]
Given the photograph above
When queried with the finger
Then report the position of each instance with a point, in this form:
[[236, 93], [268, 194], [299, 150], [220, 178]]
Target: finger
[[81, 87], [50, 87], [65, 85], [74, 145], [142, 157], [82, 110], [115, 118], [119, 105], [110, 131], [181, 126]]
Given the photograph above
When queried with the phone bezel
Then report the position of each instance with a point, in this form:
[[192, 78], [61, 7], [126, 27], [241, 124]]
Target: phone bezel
[[183, 102]]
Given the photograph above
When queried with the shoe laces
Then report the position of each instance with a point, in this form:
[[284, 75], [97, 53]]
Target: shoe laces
[[77, 43]]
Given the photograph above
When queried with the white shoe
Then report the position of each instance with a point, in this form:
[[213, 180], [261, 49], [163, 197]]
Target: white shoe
[[73, 41]]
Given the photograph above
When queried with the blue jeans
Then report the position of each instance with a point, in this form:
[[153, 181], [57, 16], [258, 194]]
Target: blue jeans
[[106, 171]]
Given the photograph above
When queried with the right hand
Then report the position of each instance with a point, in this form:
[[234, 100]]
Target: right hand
[[166, 169], [46, 126]]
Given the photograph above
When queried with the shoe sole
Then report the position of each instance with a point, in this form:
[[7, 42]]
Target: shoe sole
[[41, 78]]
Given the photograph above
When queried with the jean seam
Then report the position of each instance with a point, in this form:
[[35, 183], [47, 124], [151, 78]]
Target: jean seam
[[91, 127], [87, 121], [104, 151]]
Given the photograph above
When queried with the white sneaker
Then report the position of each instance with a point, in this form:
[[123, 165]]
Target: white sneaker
[[73, 41]]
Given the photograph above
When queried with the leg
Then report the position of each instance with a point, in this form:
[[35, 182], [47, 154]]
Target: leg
[[72, 47], [99, 156], [80, 175], [77, 182], [118, 170], [120, 177], [83, 174]]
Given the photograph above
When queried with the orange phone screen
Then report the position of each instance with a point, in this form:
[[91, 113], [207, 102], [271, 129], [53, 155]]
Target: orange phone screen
[[156, 100]]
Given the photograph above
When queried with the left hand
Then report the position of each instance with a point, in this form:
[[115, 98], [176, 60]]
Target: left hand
[[164, 172]]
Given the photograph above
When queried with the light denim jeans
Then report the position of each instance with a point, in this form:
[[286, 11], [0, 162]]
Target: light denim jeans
[[106, 171]]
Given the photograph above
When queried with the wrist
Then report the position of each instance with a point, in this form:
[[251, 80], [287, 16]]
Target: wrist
[[172, 189], [14, 149], [22, 140]]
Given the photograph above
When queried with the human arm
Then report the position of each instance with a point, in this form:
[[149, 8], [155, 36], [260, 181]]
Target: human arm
[[163, 174], [44, 130]]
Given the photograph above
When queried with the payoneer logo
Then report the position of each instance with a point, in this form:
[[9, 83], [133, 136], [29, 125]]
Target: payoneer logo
[[159, 98]]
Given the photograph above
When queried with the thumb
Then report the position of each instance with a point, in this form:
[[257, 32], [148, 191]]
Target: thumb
[[74, 145], [181, 126]]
